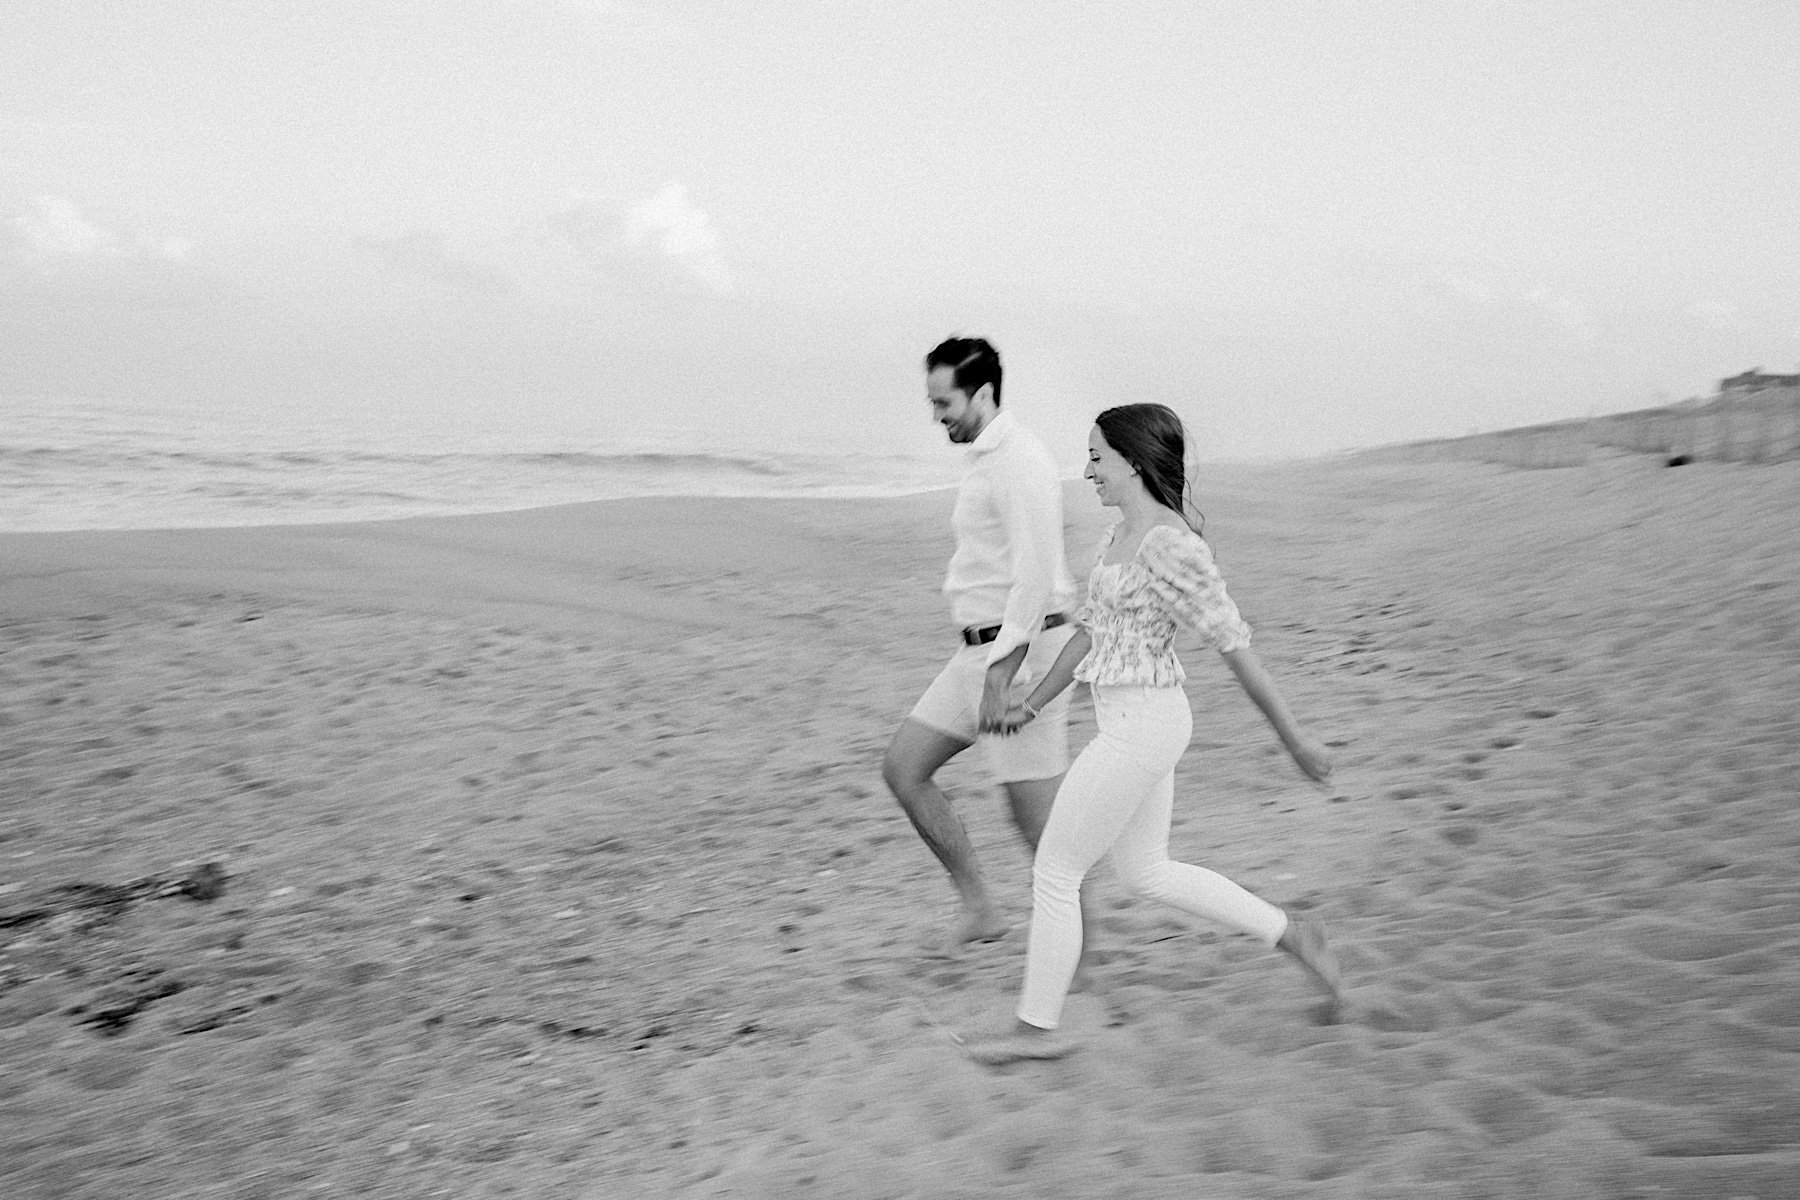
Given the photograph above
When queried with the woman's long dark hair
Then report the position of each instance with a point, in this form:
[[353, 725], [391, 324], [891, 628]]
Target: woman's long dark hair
[[1151, 438]]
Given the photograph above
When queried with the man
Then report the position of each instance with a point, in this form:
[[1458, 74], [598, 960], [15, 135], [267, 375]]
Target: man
[[1013, 601]]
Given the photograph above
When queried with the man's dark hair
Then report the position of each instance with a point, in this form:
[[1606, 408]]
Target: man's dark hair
[[972, 361]]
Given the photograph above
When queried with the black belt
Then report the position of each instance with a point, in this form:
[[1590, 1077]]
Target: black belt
[[981, 635]]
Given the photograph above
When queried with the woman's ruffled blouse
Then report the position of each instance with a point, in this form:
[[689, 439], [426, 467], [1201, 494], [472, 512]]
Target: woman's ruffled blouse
[[1134, 610]]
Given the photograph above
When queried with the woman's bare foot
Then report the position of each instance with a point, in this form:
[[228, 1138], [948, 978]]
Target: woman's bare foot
[[1020, 1043], [1305, 940]]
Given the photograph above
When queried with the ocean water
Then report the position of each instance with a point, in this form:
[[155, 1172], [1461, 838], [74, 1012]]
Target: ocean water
[[87, 464]]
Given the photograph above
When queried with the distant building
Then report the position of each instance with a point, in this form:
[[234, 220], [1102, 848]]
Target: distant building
[[1754, 380]]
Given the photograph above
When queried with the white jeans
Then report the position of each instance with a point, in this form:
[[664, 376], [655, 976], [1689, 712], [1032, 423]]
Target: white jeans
[[1118, 796]]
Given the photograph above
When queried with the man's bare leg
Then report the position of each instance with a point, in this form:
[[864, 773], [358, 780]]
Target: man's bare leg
[[913, 757], [1031, 800]]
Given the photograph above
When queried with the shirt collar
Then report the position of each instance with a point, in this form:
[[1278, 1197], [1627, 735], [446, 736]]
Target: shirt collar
[[995, 433]]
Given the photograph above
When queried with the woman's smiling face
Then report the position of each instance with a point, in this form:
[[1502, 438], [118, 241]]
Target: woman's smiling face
[[1107, 468]]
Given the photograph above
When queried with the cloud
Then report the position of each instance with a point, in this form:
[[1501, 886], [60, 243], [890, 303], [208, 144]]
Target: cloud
[[1716, 313], [665, 236], [648, 22], [423, 254], [1474, 291], [52, 228], [1573, 318], [669, 223]]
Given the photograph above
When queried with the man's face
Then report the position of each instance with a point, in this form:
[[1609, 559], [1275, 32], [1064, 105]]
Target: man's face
[[954, 409]]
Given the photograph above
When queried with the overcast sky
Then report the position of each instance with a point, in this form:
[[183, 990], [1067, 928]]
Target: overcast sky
[[1308, 226]]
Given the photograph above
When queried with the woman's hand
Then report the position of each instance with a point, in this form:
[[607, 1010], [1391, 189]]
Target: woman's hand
[[1310, 756]]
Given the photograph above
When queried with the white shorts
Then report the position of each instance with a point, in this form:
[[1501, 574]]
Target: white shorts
[[952, 706]]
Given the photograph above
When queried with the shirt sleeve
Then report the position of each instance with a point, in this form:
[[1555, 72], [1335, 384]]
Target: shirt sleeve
[[1031, 510], [1184, 576]]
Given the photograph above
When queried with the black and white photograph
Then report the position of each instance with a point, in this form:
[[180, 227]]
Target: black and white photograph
[[820, 600]]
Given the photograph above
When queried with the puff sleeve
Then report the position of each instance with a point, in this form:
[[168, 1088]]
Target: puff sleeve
[[1185, 578], [1084, 616]]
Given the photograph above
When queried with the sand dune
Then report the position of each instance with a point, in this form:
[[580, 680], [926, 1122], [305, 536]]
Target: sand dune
[[559, 865]]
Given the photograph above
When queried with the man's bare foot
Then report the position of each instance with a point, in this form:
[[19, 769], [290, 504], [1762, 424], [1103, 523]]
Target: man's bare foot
[[1305, 940], [973, 929], [986, 926], [1020, 1043]]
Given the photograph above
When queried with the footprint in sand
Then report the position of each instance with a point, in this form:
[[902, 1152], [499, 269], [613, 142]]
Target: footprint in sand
[[1461, 834], [1389, 1010], [1685, 943]]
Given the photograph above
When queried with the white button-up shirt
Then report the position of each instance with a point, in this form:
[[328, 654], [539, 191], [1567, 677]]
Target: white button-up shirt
[[1009, 567]]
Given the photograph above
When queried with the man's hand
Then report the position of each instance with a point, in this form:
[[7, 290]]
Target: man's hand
[[996, 692], [994, 708], [1016, 718]]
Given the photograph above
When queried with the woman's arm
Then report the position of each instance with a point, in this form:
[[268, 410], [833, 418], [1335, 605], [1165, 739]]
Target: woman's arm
[[1060, 675], [1259, 685]]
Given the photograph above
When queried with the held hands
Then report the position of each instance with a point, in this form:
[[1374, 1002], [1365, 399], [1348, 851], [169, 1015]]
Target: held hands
[[1001, 715], [997, 692], [1017, 717], [994, 712]]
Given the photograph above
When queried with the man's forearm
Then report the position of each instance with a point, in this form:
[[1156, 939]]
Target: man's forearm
[[1000, 672]]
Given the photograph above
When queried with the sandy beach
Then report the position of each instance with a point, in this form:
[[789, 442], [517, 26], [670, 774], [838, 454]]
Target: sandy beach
[[551, 857]]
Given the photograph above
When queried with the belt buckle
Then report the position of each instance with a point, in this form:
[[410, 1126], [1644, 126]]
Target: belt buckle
[[981, 635]]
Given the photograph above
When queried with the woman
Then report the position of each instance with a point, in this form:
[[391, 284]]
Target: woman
[[1154, 574]]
